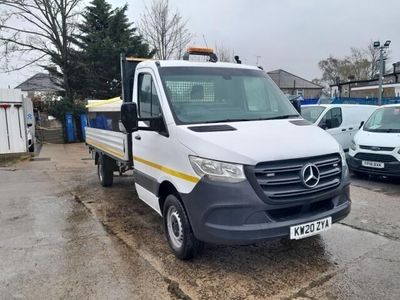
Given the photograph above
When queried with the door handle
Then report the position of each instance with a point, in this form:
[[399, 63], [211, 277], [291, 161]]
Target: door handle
[[344, 129], [138, 137], [351, 128]]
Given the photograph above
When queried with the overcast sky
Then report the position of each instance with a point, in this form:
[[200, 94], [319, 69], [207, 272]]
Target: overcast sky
[[288, 34]]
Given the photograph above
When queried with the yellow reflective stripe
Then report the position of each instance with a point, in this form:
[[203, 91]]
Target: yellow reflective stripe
[[169, 171], [104, 102], [129, 58], [105, 148]]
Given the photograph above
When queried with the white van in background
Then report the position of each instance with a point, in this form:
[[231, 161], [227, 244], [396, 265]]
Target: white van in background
[[376, 147], [342, 121]]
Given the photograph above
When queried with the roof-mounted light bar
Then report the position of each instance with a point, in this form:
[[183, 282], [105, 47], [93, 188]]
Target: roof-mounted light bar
[[203, 51]]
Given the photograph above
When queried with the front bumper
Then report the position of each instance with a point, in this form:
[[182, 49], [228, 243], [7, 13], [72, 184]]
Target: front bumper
[[232, 213], [390, 169]]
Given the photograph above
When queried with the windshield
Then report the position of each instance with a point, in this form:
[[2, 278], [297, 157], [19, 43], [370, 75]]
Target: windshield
[[385, 119], [209, 95], [311, 113]]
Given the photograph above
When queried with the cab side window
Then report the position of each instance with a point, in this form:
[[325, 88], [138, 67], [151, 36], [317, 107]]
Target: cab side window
[[149, 105], [332, 119]]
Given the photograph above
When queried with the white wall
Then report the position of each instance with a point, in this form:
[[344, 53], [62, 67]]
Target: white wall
[[12, 122]]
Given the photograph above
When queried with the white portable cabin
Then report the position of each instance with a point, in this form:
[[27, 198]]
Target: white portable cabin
[[12, 122]]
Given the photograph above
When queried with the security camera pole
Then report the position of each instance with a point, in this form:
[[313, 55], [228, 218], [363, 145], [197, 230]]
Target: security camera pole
[[377, 45]]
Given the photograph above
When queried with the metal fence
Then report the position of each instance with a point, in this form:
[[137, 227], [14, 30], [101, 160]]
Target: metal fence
[[309, 101]]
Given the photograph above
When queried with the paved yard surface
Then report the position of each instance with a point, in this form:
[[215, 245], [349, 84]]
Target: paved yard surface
[[64, 236]]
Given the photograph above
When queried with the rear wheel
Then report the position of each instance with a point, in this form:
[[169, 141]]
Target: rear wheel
[[178, 230], [105, 170]]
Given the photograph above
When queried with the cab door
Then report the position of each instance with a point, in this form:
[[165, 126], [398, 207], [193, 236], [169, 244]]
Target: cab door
[[332, 122], [148, 146]]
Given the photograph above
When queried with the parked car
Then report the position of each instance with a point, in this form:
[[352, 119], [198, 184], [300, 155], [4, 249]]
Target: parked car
[[342, 121], [220, 153], [376, 147]]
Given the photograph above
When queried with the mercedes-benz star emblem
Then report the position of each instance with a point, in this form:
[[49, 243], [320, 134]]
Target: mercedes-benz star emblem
[[310, 175]]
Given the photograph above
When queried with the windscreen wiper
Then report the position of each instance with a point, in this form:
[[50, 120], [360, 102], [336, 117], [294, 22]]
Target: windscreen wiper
[[230, 120]]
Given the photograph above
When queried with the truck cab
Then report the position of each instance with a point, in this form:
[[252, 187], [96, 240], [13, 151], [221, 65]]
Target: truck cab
[[221, 154]]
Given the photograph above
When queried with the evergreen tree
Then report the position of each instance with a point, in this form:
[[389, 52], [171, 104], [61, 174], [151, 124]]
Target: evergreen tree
[[105, 33]]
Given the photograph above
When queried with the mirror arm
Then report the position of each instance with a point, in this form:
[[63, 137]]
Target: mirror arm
[[148, 119], [159, 121], [144, 128]]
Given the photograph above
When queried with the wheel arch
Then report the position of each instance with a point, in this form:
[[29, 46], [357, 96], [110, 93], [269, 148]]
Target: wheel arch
[[96, 158], [167, 188]]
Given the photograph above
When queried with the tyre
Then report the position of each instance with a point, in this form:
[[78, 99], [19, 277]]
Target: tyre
[[105, 171], [178, 230]]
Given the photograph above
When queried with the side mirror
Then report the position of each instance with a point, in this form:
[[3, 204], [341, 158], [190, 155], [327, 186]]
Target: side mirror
[[323, 125], [329, 124], [129, 117], [361, 124]]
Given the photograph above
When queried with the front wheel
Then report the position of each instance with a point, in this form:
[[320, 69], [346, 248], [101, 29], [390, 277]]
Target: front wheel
[[178, 230]]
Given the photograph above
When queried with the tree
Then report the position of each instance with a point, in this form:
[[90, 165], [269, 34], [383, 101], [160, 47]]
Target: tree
[[164, 30], [104, 34], [223, 53], [372, 54], [32, 31], [359, 65], [331, 68], [325, 87]]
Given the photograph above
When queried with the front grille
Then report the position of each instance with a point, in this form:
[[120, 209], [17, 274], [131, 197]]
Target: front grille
[[376, 148], [281, 180], [376, 157], [293, 212]]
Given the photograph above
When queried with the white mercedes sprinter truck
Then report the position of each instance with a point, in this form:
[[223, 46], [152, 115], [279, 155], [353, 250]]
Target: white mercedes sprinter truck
[[221, 154]]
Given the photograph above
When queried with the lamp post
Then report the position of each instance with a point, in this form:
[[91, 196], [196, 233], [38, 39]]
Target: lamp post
[[377, 45]]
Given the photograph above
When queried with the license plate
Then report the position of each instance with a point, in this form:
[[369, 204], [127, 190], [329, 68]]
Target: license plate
[[308, 229], [373, 164]]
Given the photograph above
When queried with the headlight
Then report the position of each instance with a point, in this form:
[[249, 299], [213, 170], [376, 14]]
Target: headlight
[[217, 170], [353, 145], [345, 168]]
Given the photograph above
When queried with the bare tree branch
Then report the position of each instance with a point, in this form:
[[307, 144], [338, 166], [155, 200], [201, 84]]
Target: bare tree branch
[[224, 54], [34, 61], [39, 29], [164, 30]]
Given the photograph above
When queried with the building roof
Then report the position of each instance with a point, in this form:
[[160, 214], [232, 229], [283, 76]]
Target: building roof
[[40, 82], [366, 81], [286, 80]]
